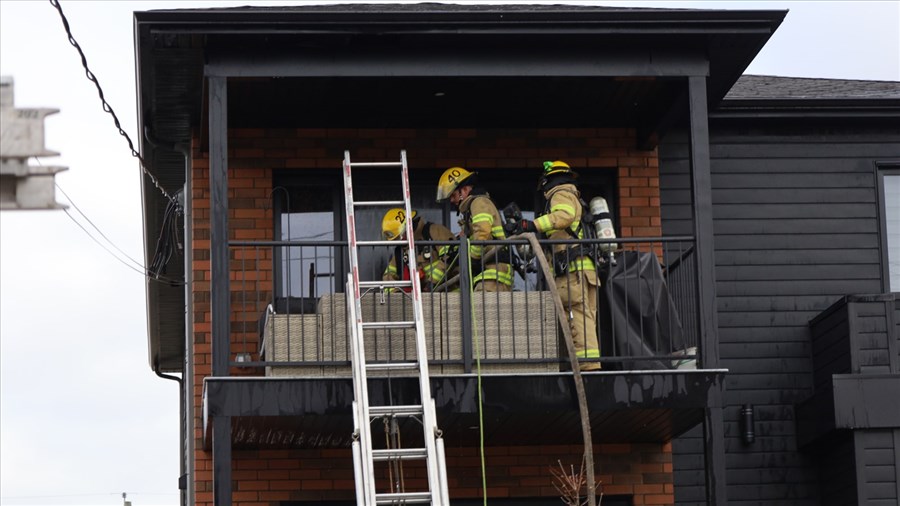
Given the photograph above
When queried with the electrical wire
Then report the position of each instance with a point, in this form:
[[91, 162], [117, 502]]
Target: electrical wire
[[170, 281], [166, 243], [140, 269], [478, 375], [108, 108], [139, 264]]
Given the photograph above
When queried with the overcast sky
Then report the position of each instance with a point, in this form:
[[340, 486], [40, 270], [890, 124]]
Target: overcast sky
[[82, 416]]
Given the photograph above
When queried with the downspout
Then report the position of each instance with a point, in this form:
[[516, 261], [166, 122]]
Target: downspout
[[186, 411], [188, 446], [181, 428]]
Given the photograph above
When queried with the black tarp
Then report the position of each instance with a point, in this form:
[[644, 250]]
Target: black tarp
[[637, 316]]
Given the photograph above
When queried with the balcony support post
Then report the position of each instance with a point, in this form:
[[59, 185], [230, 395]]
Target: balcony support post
[[220, 303], [701, 185], [465, 299], [221, 449]]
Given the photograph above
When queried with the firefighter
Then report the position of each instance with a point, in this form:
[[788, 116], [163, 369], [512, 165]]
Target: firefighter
[[429, 257], [574, 271], [480, 221]]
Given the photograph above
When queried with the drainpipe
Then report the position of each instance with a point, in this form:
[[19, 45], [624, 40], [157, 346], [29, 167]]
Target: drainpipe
[[181, 428], [186, 411]]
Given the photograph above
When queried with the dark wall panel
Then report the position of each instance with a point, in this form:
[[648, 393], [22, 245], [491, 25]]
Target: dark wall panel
[[870, 339], [878, 476], [689, 489], [796, 228]]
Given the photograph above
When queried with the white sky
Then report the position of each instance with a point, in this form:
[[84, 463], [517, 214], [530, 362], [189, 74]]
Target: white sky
[[82, 416]]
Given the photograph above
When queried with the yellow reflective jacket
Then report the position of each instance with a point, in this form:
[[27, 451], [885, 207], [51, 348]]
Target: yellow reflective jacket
[[482, 222], [428, 258], [562, 221]]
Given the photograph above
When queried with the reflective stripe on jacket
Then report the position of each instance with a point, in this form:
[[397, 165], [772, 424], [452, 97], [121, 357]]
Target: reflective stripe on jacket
[[482, 222], [564, 212]]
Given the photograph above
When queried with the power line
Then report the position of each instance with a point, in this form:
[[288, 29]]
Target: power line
[[100, 243], [139, 264], [108, 108], [142, 271]]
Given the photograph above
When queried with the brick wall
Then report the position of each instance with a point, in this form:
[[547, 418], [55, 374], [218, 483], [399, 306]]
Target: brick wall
[[270, 476], [642, 471]]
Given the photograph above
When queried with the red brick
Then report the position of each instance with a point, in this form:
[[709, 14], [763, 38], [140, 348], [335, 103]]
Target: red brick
[[659, 499]]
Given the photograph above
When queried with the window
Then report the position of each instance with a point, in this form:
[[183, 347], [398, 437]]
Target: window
[[889, 193], [310, 207], [304, 213]]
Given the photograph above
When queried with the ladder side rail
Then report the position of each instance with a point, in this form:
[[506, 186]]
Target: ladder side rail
[[357, 464], [361, 403], [354, 325], [444, 498], [351, 229], [429, 417]]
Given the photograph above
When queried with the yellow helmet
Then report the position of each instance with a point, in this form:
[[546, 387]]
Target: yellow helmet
[[450, 180], [557, 167], [394, 223], [555, 173]]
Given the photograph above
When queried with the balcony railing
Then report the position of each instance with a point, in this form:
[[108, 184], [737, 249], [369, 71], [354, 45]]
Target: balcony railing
[[289, 315]]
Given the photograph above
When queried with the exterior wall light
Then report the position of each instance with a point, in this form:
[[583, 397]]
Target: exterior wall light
[[747, 433]]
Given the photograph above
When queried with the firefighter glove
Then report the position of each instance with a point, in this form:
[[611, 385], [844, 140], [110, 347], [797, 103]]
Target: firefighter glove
[[450, 257]]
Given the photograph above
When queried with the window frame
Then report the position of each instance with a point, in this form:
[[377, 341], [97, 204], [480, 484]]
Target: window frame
[[882, 169]]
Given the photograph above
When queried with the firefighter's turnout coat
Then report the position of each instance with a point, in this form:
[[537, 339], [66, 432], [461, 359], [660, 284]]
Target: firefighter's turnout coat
[[429, 257], [482, 222], [575, 274]]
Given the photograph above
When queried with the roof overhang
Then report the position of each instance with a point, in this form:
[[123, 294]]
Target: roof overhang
[[417, 65]]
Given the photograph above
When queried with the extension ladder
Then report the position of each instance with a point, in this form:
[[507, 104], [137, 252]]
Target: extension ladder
[[364, 456]]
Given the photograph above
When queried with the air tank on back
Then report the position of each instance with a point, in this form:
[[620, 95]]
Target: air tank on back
[[603, 223]]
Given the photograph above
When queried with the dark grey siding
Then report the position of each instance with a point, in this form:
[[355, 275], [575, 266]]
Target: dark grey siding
[[830, 347], [870, 337], [878, 476], [796, 228]]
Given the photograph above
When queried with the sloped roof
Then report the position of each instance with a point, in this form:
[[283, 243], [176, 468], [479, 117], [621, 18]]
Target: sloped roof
[[750, 87]]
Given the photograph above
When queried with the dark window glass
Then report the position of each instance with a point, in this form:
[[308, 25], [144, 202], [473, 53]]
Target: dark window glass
[[310, 207]]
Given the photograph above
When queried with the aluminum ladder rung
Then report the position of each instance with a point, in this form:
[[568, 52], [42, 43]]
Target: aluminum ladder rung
[[404, 498], [385, 284], [393, 366], [376, 164], [400, 410], [389, 325], [379, 243], [399, 454], [380, 203]]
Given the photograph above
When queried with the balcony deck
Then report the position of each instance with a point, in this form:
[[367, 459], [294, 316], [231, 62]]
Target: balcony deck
[[625, 406], [295, 389]]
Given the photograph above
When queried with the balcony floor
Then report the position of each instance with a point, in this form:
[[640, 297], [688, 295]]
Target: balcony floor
[[632, 406]]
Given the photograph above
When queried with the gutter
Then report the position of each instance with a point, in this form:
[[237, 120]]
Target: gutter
[[807, 108]]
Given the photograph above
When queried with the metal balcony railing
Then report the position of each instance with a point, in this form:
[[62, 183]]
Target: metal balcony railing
[[289, 315]]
